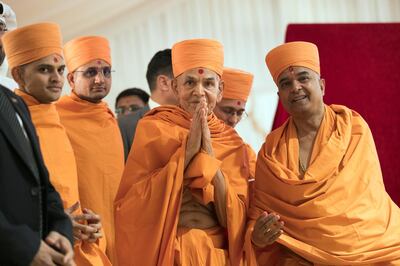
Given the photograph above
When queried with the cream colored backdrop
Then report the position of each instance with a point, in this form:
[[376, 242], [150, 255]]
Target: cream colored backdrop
[[248, 29]]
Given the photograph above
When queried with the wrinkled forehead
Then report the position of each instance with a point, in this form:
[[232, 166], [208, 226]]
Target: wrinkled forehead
[[293, 71], [200, 73], [97, 63]]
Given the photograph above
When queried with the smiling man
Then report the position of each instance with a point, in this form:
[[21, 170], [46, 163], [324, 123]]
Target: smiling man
[[184, 194], [320, 173], [40, 85], [34, 230], [93, 129]]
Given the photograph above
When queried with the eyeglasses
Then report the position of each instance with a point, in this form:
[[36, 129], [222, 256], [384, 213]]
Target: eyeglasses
[[241, 114], [92, 72], [123, 109]]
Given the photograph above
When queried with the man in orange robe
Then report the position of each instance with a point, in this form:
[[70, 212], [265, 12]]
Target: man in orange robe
[[184, 194], [93, 129], [232, 107], [319, 172], [39, 73]]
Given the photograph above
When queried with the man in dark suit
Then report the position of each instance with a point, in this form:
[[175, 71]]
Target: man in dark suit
[[127, 125], [159, 77], [34, 230]]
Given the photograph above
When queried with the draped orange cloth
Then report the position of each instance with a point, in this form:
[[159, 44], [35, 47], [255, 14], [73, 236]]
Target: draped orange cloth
[[252, 159], [237, 84], [194, 53], [339, 213], [30, 43], [149, 198], [97, 144], [82, 50], [303, 54], [60, 162]]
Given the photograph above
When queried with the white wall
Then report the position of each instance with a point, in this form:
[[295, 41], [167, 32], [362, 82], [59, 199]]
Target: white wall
[[247, 28]]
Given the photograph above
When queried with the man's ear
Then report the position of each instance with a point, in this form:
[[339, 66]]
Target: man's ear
[[16, 73], [71, 80], [220, 90], [163, 83], [322, 84]]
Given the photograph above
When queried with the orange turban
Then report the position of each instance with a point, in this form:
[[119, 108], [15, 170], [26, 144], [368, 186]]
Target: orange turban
[[237, 84], [30, 43], [304, 54], [190, 54], [82, 50]]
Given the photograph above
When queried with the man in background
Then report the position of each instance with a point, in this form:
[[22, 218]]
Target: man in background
[[159, 77], [130, 100], [8, 22]]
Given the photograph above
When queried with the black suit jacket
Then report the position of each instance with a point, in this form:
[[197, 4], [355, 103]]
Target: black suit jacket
[[127, 125], [30, 207]]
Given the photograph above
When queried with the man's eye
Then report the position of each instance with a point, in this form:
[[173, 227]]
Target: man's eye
[[91, 72], [285, 84], [189, 82], [44, 69], [61, 71], [106, 71], [303, 79], [209, 84], [227, 111]]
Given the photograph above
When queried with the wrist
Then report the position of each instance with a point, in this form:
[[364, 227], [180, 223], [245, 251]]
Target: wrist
[[258, 245]]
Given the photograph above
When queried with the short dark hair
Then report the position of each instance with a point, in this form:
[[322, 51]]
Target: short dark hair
[[144, 96], [160, 64]]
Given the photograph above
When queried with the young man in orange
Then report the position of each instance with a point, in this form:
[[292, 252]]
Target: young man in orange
[[93, 129], [40, 84], [184, 194], [34, 230], [319, 172]]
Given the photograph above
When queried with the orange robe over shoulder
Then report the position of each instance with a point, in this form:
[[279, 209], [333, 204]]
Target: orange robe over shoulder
[[60, 162], [149, 197], [252, 166], [97, 144], [337, 214]]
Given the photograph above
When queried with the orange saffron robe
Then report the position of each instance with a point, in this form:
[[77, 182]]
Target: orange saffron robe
[[60, 162], [149, 197], [339, 213], [97, 144]]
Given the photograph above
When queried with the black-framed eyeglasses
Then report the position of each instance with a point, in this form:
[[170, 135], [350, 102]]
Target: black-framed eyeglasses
[[123, 109], [92, 72], [228, 111]]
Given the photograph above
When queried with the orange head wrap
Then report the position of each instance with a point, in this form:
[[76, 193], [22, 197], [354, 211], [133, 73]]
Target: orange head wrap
[[304, 54], [30, 43], [82, 50], [190, 54], [237, 84]]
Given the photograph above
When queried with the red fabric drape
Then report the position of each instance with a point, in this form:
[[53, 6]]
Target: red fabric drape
[[360, 63]]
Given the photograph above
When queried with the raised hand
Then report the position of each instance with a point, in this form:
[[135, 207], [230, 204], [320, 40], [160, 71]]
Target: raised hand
[[205, 130], [193, 144]]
